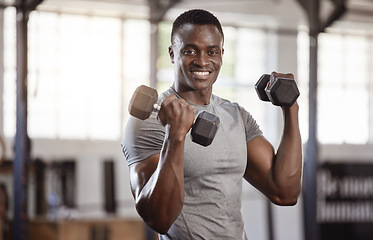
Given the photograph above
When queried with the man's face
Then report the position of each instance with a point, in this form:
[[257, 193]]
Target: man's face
[[196, 53]]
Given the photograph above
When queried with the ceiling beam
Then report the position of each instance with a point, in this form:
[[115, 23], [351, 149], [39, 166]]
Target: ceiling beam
[[313, 8], [26, 5], [32, 4], [159, 8], [338, 11]]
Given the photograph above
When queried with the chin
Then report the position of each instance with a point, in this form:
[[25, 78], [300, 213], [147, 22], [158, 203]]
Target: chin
[[203, 86]]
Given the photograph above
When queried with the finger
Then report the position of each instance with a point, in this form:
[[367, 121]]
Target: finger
[[272, 78], [169, 99], [165, 110], [283, 75]]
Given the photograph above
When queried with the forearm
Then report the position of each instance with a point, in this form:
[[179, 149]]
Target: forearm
[[288, 165], [161, 199], [158, 182]]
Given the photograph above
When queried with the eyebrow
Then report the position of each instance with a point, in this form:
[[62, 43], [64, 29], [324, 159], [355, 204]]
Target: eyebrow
[[195, 46]]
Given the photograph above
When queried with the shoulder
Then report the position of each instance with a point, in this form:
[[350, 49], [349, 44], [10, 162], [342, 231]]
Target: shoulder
[[234, 109], [143, 138], [164, 95], [228, 105]]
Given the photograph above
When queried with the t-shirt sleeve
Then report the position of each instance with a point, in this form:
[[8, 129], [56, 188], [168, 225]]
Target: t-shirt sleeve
[[142, 138], [252, 129]]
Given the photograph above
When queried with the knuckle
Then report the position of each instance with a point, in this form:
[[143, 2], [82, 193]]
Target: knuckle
[[284, 75], [191, 109], [289, 75]]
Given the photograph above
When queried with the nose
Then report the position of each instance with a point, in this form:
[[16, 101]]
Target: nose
[[202, 59]]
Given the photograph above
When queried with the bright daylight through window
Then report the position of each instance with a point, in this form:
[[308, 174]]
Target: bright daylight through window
[[83, 70]]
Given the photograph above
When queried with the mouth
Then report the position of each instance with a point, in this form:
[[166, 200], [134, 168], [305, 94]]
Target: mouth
[[201, 74]]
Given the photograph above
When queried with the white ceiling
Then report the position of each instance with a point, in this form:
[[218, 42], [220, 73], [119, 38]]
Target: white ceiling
[[284, 14]]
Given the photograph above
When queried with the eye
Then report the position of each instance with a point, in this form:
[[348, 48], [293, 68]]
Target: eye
[[189, 52], [214, 52]]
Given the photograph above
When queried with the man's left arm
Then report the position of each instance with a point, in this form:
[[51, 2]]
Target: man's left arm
[[278, 175]]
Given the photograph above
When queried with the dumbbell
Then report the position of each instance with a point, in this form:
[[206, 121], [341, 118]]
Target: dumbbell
[[281, 92], [144, 102]]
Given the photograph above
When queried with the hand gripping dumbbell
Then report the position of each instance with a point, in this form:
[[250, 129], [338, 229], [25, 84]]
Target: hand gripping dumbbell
[[281, 92], [144, 102]]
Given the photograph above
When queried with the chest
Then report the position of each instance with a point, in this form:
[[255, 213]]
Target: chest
[[225, 156]]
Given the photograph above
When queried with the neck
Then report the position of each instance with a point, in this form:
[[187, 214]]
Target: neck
[[193, 96]]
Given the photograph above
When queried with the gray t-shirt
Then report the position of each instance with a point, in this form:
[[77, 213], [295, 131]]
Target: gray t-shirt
[[212, 175]]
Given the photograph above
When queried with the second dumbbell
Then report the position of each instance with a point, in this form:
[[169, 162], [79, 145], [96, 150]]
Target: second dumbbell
[[144, 102], [281, 92]]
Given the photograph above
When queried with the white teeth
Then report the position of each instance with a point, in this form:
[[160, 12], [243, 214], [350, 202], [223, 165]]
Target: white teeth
[[201, 73]]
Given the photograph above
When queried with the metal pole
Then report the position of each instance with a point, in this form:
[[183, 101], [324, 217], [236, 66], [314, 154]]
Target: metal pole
[[156, 15], [311, 158], [158, 9], [153, 53], [22, 145], [270, 221], [312, 9]]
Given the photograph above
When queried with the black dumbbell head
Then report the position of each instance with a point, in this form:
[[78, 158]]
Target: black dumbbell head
[[260, 87], [205, 128], [142, 102], [283, 92]]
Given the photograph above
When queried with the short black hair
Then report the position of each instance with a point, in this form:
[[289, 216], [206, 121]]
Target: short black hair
[[195, 16]]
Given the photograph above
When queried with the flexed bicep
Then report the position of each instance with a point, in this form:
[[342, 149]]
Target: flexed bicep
[[140, 173]]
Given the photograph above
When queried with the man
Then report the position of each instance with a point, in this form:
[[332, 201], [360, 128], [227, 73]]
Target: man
[[183, 190]]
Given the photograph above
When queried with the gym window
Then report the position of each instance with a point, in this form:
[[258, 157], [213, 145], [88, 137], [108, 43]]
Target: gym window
[[76, 77], [83, 70], [345, 95]]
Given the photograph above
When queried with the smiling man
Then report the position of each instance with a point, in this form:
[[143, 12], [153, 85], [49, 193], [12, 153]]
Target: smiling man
[[184, 190], [196, 53]]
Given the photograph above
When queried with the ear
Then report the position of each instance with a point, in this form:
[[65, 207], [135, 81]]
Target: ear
[[171, 53]]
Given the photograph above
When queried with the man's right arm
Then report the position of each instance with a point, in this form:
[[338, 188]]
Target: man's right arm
[[157, 183]]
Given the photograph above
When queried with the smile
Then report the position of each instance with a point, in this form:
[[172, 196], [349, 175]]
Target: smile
[[201, 73]]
